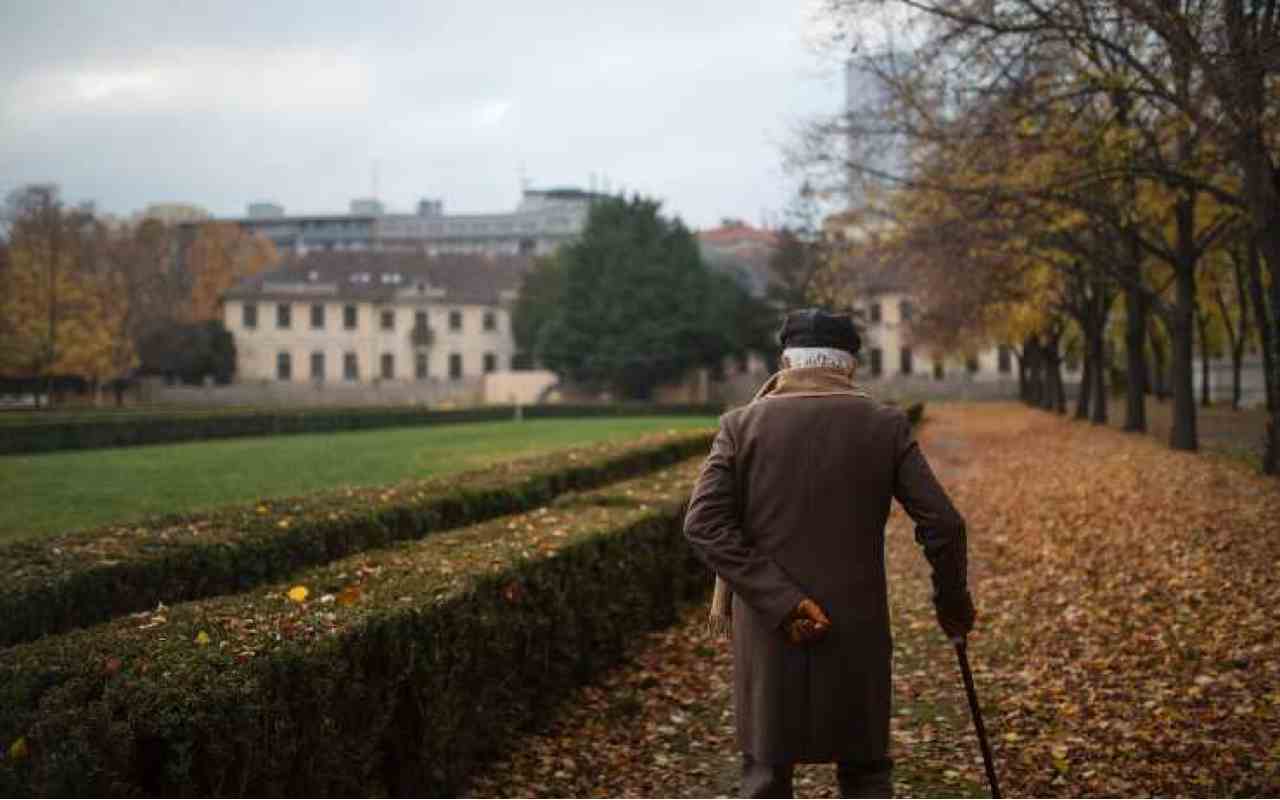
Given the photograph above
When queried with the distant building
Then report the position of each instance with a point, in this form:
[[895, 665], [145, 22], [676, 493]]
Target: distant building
[[542, 222], [350, 317], [740, 250], [174, 213]]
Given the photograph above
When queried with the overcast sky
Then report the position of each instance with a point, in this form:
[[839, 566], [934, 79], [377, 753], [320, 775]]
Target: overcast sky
[[219, 104]]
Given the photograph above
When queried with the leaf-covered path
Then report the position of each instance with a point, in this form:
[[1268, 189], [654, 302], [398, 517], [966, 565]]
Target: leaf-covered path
[[1126, 642]]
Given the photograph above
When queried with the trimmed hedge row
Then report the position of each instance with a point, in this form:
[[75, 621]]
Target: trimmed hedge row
[[54, 584], [397, 673], [129, 430]]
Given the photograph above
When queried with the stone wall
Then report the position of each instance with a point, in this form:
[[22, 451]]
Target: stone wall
[[467, 391]]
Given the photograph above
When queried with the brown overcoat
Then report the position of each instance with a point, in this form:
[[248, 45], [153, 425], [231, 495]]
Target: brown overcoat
[[792, 503]]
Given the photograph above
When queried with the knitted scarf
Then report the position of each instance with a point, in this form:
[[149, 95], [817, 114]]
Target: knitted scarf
[[796, 382]]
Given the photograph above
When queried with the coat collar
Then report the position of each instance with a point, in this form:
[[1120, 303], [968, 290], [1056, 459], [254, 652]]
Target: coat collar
[[809, 382]]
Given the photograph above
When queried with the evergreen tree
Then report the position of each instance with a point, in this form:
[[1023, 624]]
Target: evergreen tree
[[636, 306]]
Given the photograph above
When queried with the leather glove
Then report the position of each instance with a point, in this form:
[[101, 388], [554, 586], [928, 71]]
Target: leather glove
[[957, 616], [806, 624]]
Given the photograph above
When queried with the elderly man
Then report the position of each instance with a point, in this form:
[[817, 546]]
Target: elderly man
[[789, 511]]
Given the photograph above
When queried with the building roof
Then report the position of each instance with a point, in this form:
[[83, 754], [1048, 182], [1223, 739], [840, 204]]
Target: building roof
[[743, 251], [386, 276], [731, 235]]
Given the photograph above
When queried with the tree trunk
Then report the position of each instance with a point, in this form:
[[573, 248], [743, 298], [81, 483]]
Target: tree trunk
[[1160, 384], [1098, 345], [1022, 376], [1135, 334], [1086, 386], [1035, 369], [1237, 367], [1263, 315], [1056, 398], [1182, 435], [1203, 329]]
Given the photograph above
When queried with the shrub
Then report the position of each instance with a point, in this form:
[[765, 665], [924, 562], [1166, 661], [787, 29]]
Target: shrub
[[398, 673], [57, 583], [87, 430]]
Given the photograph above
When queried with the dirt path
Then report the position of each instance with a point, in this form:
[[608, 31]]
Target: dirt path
[[1126, 640]]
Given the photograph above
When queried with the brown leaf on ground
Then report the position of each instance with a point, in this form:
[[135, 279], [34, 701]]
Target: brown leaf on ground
[[1126, 642]]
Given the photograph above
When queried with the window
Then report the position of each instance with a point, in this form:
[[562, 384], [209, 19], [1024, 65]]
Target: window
[[1003, 362], [490, 362], [455, 320], [350, 368], [419, 319], [877, 362], [490, 321], [939, 370], [388, 319], [317, 366], [455, 366], [349, 317], [284, 367], [420, 367], [904, 311], [388, 366], [906, 361], [283, 313], [249, 315], [971, 364], [317, 316], [875, 312]]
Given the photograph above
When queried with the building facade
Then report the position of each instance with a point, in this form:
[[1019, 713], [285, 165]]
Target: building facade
[[386, 318], [542, 222]]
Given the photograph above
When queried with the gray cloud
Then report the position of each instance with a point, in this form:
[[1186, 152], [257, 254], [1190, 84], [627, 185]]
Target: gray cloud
[[219, 104]]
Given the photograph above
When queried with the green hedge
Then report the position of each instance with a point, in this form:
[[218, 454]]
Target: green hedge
[[403, 669], [57, 583], [84, 432]]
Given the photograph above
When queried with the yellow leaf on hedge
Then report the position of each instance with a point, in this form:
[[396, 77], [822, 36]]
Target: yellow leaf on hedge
[[284, 523], [18, 750], [298, 593], [349, 596], [263, 510], [202, 638]]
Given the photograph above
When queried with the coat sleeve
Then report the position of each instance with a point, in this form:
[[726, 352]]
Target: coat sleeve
[[713, 528], [940, 530]]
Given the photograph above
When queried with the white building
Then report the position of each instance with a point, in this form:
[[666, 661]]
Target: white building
[[383, 318]]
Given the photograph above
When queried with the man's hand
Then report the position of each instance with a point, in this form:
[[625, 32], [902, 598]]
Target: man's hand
[[957, 618], [806, 624]]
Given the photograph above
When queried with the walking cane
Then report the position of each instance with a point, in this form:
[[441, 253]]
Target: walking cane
[[977, 714]]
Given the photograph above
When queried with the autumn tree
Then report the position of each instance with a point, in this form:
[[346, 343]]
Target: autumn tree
[[64, 308], [219, 257], [1196, 83]]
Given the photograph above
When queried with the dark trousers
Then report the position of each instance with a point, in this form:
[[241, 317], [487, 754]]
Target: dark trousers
[[872, 779]]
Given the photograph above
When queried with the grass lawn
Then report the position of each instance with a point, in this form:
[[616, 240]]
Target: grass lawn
[[55, 492]]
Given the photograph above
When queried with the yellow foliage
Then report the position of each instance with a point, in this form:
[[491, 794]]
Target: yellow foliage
[[298, 594], [62, 320], [220, 257], [19, 750]]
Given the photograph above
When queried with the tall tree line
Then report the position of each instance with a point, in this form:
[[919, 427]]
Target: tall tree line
[[81, 298], [1104, 175]]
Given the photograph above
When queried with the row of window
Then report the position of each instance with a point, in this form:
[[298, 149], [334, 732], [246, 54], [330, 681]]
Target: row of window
[[387, 366], [907, 365], [904, 311], [351, 318]]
